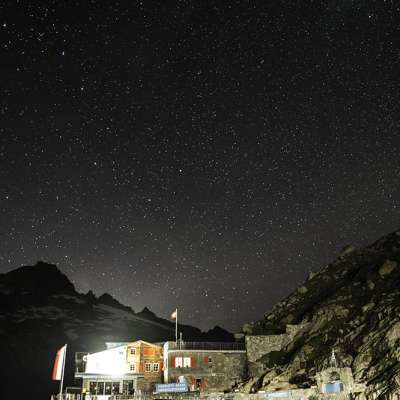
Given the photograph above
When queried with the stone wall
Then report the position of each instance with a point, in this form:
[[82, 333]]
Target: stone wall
[[296, 394], [217, 370], [258, 345]]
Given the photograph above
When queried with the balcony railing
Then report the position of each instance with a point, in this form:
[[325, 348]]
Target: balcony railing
[[222, 346]]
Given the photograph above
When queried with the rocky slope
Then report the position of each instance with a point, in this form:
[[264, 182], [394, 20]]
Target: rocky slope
[[40, 311], [351, 305]]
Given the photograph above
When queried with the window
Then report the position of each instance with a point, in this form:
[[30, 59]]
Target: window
[[127, 387], [133, 350], [178, 362], [108, 388], [92, 387], [156, 367], [96, 387], [147, 367], [185, 362], [132, 367], [115, 388]]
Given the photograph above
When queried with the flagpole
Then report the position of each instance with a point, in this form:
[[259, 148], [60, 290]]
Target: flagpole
[[176, 327], [62, 375]]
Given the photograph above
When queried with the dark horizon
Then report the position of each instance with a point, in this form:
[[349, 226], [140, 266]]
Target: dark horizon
[[200, 156]]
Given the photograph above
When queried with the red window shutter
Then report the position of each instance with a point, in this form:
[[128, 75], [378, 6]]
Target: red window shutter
[[173, 361], [193, 380], [161, 366], [203, 383], [193, 362], [206, 360]]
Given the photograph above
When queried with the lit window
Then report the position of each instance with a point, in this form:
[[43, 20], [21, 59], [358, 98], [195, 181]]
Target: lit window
[[147, 367], [133, 351], [156, 367], [132, 367], [185, 362], [178, 362]]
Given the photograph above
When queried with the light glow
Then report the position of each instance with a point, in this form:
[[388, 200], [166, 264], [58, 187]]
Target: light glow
[[109, 362]]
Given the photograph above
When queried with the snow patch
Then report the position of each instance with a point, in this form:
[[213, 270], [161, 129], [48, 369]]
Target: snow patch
[[68, 297]]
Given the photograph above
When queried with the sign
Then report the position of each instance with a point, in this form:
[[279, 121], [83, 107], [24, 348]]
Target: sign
[[171, 387]]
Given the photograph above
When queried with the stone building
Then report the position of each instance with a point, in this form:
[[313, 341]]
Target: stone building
[[205, 366], [128, 368], [147, 359]]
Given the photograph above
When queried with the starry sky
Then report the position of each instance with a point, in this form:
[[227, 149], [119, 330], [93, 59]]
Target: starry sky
[[205, 155]]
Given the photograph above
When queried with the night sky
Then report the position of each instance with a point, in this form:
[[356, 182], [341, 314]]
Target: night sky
[[205, 155]]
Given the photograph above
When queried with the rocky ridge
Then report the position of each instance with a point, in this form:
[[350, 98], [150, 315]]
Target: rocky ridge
[[352, 306]]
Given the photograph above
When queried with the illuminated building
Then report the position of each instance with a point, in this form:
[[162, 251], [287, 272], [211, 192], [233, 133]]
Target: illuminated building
[[123, 368]]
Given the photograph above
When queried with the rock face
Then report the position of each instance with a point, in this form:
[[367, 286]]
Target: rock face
[[40, 311], [353, 306]]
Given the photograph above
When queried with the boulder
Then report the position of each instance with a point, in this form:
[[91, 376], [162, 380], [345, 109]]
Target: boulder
[[393, 334], [247, 329], [302, 290], [347, 250], [370, 284], [311, 275], [289, 319], [368, 307], [387, 268]]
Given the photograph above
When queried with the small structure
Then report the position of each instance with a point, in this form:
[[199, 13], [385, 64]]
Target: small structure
[[205, 366], [335, 379]]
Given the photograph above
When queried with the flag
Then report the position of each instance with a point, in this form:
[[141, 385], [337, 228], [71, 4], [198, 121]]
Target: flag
[[174, 314], [59, 363]]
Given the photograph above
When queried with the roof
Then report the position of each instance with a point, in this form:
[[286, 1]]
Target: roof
[[146, 343], [111, 345]]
